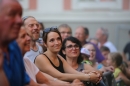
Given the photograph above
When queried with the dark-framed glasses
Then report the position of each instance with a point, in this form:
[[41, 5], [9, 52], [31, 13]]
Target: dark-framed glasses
[[76, 46]]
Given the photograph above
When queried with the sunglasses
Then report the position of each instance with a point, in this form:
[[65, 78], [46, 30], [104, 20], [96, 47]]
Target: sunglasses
[[50, 29]]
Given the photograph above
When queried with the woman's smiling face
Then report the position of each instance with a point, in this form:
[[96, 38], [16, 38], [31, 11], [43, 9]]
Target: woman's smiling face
[[23, 40]]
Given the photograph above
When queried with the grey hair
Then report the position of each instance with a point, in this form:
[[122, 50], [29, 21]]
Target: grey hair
[[65, 26], [105, 32]]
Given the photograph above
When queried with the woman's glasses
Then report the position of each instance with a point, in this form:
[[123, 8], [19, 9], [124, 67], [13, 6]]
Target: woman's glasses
[[72, 46]]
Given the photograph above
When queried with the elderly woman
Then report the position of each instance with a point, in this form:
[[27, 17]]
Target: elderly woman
[[55, 65]]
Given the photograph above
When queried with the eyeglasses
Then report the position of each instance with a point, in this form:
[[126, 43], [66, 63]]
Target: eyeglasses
[[72, 46], [50, 29]]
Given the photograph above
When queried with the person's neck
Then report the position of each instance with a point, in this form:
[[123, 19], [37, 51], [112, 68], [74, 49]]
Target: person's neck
[[51, 55], [72, 62], [33, 45]]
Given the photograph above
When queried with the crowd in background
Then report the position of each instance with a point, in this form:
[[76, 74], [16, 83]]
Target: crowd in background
[[31, 54]]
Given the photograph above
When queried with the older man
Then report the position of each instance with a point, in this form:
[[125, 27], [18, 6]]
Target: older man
[[32, 27], [10, 23], [102, 36], [82, 34]]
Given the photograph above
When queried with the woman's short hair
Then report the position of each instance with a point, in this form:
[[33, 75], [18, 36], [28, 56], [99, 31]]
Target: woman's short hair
[[74, 40]]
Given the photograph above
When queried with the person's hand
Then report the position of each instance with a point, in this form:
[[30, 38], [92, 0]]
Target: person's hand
[[110, 68], [77, 82], [95, 77]]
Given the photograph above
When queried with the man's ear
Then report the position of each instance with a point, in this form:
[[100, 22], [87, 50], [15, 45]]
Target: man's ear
[[63, 52]]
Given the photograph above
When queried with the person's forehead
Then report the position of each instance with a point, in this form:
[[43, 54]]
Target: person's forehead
[[30, 20], [65, 29], [9, 5], [52, 35], [79, 30], [8, 2]]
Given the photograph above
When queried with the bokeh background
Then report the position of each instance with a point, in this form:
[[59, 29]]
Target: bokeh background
[[111, 14]]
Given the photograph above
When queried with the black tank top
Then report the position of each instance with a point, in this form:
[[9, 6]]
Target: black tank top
[[60, 68]]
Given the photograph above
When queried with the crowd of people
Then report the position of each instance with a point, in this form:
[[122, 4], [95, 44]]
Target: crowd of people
[[32, 55]]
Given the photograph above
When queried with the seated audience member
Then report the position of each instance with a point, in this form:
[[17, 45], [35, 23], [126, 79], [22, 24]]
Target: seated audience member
[[105, 51], [92, 51], [34, 73], [10, 23], [71, 48], [116, 60], [85, 54], [55, 65], [32, 27], [95, 64]]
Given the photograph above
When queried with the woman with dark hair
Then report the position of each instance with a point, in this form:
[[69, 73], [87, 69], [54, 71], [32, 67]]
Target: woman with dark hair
[[71, 49], [55, 65]]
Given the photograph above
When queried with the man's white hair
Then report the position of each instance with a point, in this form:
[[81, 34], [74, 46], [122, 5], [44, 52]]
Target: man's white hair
[[105, 32]]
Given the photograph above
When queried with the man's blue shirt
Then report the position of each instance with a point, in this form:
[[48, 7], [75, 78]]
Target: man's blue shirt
[[14, 67]]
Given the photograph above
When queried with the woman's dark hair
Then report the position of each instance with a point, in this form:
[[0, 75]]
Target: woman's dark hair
[[74, 40], [48, 30]]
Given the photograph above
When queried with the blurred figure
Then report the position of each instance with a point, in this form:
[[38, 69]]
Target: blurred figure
[[102, 36], [92, 51], [105, 51], [116, 60], [40, 40], [32, 27], [82, 33], [94, 41], [10, 23], [65, 31], [127, 50], [85, 54], [95, 64]]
